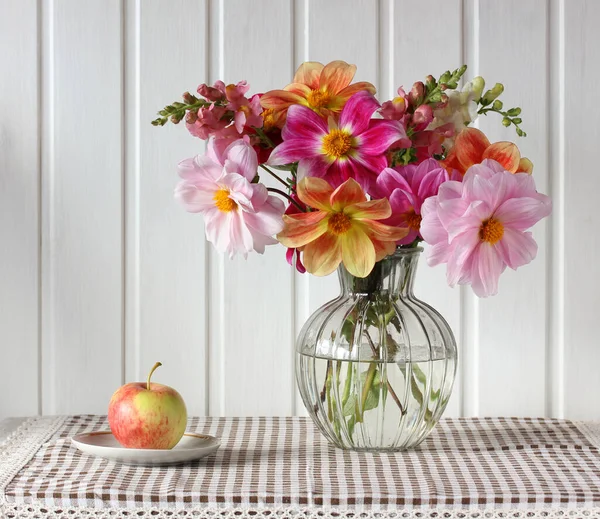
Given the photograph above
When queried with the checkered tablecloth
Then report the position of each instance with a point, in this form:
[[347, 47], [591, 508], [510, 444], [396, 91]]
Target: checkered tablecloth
[[283, 468]]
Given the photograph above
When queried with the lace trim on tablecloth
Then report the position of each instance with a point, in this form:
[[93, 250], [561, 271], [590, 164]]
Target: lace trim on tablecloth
[[591, 430], [37, 512], [21, 446]]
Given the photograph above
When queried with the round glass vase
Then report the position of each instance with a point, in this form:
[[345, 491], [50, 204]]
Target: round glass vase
[[375, 366]]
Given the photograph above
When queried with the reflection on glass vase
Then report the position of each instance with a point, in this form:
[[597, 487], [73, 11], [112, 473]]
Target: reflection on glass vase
[[375, 366]]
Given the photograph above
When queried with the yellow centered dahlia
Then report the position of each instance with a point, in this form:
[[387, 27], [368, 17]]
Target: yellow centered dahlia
[[341, 228]]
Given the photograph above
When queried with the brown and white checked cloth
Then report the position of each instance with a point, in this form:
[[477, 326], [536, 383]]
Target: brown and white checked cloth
[[283, 467]]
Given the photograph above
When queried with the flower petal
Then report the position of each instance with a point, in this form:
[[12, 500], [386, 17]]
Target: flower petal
[[522, 213], [308, 74], [469, 146], [371, 210], [198, 168], [458, 261], [194, 200], [241, 158], [350, 90], [358, 252], [336, 76], [268, 220], [382, 231], [299, 89], [517, 248], [315, 192], [387, 181], [382, 248], [366, 168], [216, 228], [487, 267], [504, 153], [322, 256], [240, 238], [302, 228], [347, 194], [380, 136], [280, 99], [525, 166], [358, 111], [317, 166], [303, 123], [291, 151]]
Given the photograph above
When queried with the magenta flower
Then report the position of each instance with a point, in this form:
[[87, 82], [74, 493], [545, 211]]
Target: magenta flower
[[239, 216], [479, 227], [407, 187], [353, 147]]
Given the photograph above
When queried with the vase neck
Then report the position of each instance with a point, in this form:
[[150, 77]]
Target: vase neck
[[393, 275]]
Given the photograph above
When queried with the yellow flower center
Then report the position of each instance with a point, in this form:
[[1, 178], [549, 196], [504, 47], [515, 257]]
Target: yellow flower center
[[337, 143], [339, 223], [223, 202], [318, 98], [268, 119], [491, 230], [413, 220]]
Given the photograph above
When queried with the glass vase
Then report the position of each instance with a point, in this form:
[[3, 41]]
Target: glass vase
[[375, 366]]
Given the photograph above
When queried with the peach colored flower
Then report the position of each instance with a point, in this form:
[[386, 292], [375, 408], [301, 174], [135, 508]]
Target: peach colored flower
[[342, 228], [473, 147], [323, 88]]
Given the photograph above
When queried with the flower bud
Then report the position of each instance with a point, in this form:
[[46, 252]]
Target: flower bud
[[493, 93], [191, 117], [430, 80], [422, 117], [189, 98], [497, 105], [417, 93], [506, 121], [175, 119], [478, 84], [443, 87]]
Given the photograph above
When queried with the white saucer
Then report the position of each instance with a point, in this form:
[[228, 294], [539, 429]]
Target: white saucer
[[104, 444]]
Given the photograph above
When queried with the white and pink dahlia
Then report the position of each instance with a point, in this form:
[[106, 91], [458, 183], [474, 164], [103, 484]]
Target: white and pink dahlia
[[481, 226], [240, 217]]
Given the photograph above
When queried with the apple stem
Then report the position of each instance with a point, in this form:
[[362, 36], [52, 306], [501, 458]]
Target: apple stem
[[157, 365]]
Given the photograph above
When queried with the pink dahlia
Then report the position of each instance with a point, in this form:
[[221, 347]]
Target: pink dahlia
[[239, 216], [407, 187], [353, 147], [480, 226]]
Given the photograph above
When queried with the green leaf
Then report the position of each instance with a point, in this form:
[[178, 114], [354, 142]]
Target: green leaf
[[372, 401]]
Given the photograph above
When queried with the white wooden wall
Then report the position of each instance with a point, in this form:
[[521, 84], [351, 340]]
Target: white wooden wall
[[102, 273]]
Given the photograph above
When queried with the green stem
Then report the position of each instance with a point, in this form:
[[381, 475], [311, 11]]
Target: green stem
[[280, 192], [274, 175], [368, 384]]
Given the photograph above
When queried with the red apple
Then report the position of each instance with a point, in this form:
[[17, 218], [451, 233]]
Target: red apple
[[147, 416]]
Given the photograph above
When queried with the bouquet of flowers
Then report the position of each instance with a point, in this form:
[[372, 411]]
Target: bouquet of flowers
[[359, 178]]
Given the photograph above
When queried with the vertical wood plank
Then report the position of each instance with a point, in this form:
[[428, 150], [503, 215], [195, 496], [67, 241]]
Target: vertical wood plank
[[166, 267], [512, 325], [413, 54], [19, 207], [581, 238], [254, 296], [82, 206]]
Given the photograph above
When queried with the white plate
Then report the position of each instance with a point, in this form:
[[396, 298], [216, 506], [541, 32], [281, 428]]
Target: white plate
[[104, 444]]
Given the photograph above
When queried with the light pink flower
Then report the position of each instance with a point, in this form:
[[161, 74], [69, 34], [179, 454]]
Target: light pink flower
[[353, 147], [209, 121], [239, 216], [407, 187], [479, 227], [396, 108]]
